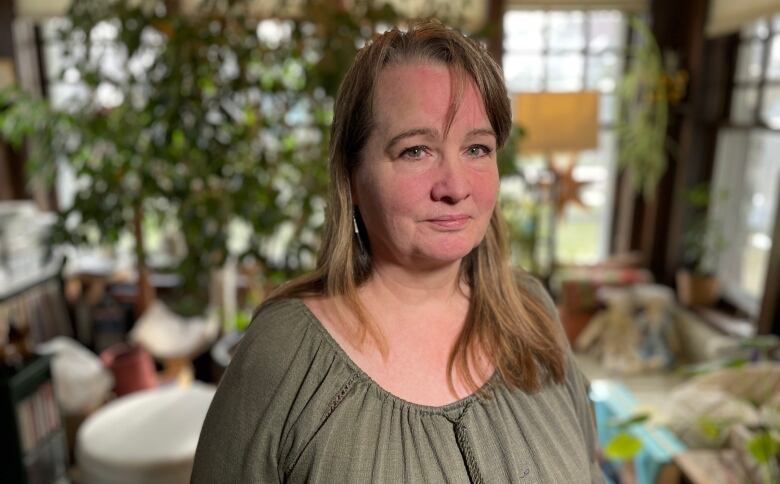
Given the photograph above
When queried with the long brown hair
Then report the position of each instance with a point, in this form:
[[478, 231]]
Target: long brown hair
[[508, 318]]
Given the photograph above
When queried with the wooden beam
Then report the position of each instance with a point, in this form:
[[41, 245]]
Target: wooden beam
[[659, 223], [710, 90], [769, 317], [679, 29], [495, 29]]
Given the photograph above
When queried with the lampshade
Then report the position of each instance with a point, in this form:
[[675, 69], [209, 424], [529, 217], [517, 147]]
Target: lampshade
[[558, 121]]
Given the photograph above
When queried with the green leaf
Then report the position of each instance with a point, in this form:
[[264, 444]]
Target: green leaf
[[625, 423], [763, 447], [623, 446], [710, 428], [242, 321]]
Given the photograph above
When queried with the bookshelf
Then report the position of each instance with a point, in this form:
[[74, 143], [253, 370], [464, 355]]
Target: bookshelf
[[34, 446], [32, 441], [36, 305]]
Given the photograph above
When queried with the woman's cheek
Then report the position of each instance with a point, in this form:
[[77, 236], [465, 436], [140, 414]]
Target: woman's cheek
[[485, 188], [410, 191]]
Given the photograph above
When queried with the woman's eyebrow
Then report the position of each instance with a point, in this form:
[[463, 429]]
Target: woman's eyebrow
[[432, 133], [481, 131]]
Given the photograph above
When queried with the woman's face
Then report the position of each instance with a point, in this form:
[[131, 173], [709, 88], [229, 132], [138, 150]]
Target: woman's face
[[425, 196]]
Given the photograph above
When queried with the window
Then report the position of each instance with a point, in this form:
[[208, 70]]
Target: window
[[747, 171], [573, 51]]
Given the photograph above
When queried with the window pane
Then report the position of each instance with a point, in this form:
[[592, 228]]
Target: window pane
[[54, 59], [607, 109], [759, 29], [604, 71], [523, 72], [583, 231], [65, 95], [607, 30], [773, 71], [565, 30], [601, 157], [577, 240], [770, 110], [776, 24], [53, 49], [759, 203], [523, 30], [749, 61], [564, 72], [747, 174], [731, 154], [743, 105]]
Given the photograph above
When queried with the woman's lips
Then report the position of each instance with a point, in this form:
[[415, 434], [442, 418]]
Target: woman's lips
[[450, 222]]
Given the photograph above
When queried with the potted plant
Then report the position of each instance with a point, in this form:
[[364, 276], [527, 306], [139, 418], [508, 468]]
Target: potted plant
[[697, 284]]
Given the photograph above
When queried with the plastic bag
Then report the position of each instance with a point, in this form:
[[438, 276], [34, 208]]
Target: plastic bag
[[81, 382]]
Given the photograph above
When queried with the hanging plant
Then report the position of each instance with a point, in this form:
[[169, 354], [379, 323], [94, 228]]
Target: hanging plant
[[643, 97]]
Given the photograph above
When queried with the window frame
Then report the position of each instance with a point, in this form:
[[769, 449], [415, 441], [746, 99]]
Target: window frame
[[734, 178], [762, 82], [586, 53]]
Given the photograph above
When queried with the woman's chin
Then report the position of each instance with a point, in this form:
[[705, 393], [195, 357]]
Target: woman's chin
[[443, 255]]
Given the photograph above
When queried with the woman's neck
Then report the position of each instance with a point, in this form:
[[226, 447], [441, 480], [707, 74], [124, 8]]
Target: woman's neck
[[393, 286]]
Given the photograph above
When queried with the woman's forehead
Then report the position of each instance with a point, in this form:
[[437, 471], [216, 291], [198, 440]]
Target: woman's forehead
[[431, 94]]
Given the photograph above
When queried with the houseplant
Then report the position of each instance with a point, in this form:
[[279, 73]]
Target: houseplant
[[697, 284], [214, 120], [651, 84]]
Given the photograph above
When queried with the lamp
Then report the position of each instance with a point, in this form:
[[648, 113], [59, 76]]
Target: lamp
[[558, 122]]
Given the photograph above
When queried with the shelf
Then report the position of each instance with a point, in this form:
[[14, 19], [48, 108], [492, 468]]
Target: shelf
[[34, 446], [22, 284]]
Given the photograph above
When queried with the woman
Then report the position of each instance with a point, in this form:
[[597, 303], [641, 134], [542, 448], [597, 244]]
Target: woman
[[413, 353]]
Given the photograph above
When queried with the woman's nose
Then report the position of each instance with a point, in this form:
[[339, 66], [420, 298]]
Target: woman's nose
[[452, 183]]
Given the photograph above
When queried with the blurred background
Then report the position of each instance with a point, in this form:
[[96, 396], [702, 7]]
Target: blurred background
[[163, 166]]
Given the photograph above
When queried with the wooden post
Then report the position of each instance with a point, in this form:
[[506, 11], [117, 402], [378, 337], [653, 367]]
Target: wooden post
[[495, 22], [769, 318]]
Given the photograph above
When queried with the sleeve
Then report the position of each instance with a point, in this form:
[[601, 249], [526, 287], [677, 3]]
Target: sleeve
[[241, 436], [579, 387]]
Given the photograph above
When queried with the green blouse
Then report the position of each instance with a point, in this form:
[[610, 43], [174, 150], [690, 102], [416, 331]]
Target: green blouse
[[293, 407]]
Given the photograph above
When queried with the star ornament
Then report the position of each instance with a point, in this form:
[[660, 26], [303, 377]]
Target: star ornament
[[567, 186]]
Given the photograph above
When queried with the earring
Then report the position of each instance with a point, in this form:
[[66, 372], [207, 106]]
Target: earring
[[357, 230]]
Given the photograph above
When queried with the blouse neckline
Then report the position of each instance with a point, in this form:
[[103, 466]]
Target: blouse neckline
[[445, 409]]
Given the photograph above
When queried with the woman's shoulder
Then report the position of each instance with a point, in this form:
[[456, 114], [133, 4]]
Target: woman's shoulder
[[281, 335], [278, 319], [286, 343], [278, 383], [275, 327]]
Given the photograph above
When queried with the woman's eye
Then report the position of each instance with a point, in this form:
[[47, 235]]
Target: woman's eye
[[478, 150], [413, 153]]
